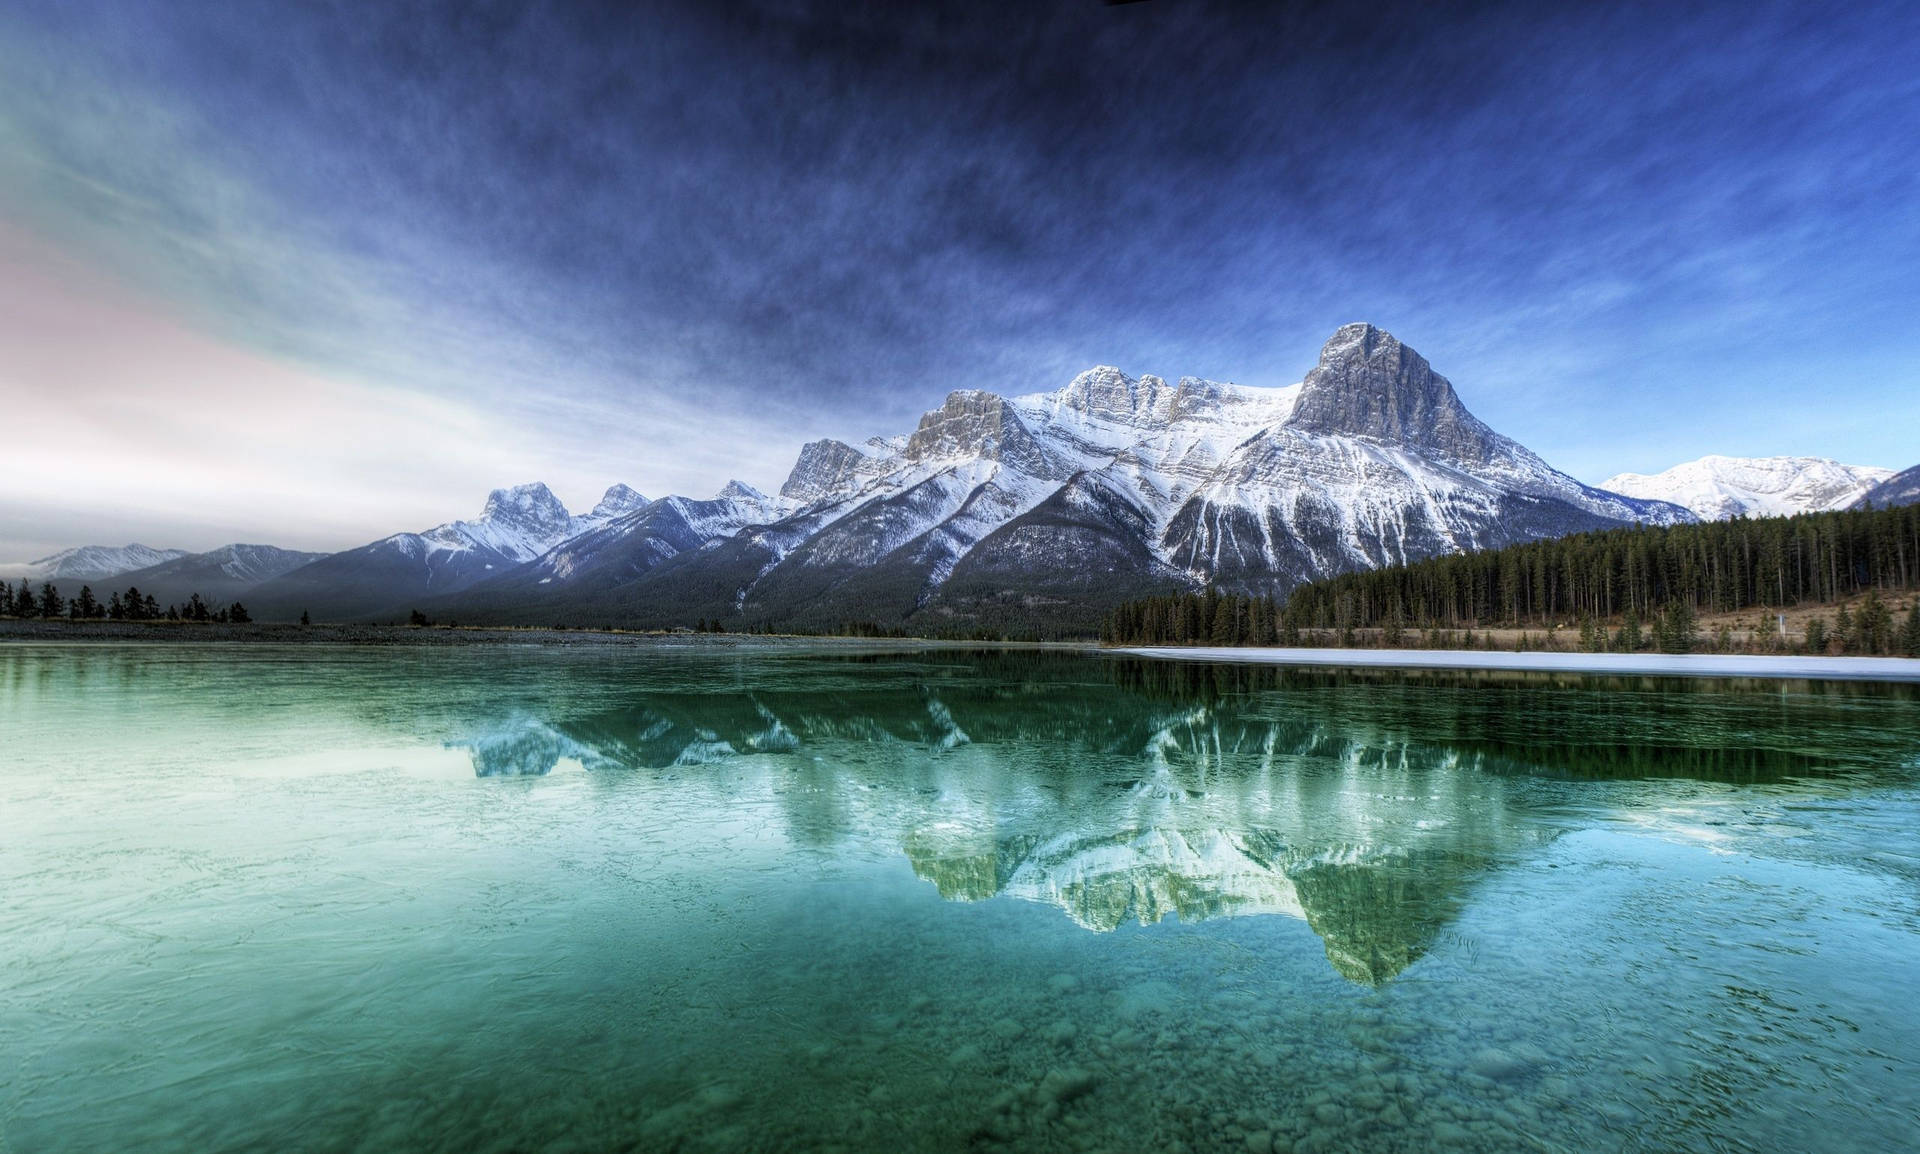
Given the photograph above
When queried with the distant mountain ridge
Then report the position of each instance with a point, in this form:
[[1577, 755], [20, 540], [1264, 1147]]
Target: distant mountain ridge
[[1056, 505], [1048, 508], [221, 575], [1903, 488], [94, 562], [515, 526], [1717, 487]]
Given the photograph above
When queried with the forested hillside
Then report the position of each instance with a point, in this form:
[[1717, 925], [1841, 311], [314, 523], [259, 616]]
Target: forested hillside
[[1662, 576]]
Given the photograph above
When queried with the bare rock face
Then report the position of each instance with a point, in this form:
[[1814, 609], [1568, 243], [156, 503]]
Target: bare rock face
[[531, 509], [1368, 384], [824, 467], [1109, 394], [981, 425], [618, 501]]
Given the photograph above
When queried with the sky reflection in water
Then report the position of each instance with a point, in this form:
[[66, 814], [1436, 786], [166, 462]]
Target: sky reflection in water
[[328, 899]]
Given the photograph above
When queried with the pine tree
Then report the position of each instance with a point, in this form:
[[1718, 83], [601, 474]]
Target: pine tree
[[1220, 621], [51, 604], [1675, 630], [23, 603], [1843, 629], [304, 619], [1629, 639], [1817, 635], [1874, 624], [84, 606], [1910, 636], [237, 613]]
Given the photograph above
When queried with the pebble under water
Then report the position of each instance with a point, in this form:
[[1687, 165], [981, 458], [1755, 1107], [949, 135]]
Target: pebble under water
[[512, 898]]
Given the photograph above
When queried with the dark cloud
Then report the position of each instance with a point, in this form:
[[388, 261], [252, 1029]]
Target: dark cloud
[[846, 209]]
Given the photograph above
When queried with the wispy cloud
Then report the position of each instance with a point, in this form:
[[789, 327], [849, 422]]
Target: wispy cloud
[[666, 246]]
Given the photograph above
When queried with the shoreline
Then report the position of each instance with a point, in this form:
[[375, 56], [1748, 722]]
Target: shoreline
[[1781, 667], [15, 631], [33, 632]]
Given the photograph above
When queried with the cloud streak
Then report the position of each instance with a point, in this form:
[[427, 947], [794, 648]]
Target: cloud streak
[[656, 242]]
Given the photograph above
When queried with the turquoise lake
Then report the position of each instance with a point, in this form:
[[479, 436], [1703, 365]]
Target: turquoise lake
[[520, 898]]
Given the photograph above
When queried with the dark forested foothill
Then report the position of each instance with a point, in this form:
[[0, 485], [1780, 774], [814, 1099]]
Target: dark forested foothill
[[1654, 582]]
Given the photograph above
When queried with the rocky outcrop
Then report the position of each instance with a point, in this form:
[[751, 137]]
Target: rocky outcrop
[[1369, 385]]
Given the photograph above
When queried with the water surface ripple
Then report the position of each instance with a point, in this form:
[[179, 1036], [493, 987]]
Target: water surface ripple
[[514, 898]]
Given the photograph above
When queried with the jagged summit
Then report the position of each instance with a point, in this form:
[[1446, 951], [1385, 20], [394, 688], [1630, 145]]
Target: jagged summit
[[1368, 384], [618, 500], [975, 424], [1105, 392], [740, 491], [823, 467], [1051, 505], [532, 504]]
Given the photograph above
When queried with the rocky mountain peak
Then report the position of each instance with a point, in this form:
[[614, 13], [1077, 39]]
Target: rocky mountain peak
[[1106, 392], [824, 466], [1368, 384], [973, 423], [740, 491], [532, 507], [618, 500]]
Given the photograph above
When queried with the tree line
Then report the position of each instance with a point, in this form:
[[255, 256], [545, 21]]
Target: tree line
[[131, 605], [1653, 580]]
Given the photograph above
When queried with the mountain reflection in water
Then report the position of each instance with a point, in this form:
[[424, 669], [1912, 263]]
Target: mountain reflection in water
[[1123, 791]]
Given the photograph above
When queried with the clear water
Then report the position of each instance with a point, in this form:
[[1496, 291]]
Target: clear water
[[518, 899]]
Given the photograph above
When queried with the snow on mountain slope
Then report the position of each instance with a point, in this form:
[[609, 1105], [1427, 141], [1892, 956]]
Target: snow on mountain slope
[[94, 562], [624, 546], [391, 575], [229, 573], [1099, 490], [1903, 488], [1717, 487]]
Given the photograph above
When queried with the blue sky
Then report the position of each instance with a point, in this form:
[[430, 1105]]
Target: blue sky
[[312, 273]]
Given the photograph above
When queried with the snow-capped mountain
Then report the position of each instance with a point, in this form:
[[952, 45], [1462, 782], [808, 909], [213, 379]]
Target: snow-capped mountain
[[1062, 503], [515, 526], [1903, 488], [94, 562], [616, 550], [228, 573], [1716, 487]]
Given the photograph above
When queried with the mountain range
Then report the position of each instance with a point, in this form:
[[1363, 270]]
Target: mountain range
[[1005, 511], [1715, 487], [996, 510]]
